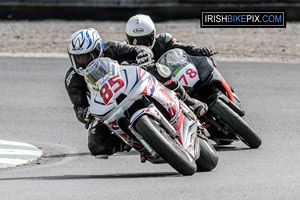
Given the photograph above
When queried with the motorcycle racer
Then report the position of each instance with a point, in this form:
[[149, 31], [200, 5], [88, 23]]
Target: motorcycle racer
[[86, 45], [140, 30]]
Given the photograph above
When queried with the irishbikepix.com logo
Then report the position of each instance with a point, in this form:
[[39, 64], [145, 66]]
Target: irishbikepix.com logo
[[243, 19]]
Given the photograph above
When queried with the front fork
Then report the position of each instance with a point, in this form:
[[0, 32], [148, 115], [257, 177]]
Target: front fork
[[227, 101], [156, 114], [210, 118]]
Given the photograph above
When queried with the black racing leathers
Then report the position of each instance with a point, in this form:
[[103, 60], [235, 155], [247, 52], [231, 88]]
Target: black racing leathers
[[165, 41], [77, 90]]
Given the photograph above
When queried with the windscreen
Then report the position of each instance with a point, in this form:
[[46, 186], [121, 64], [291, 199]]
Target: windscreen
[[174, 59], [98, 69]]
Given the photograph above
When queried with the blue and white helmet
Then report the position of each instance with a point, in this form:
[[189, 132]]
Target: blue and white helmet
[[84, 46]]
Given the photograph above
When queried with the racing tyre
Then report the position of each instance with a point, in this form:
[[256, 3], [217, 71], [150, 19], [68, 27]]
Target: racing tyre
[[234, 122], [208, 159], [166, 147]]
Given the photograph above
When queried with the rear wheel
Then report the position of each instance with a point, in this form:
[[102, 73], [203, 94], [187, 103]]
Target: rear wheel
[[208, 159], [166, 147], [225, 114]]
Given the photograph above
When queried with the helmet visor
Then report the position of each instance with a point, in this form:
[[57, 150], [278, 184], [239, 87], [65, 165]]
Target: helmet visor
[[81, 61], [146, 40]]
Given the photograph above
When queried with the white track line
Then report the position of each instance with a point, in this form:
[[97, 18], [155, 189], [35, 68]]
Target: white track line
[[65, 55], [19, 152], [35, 55], [4, 142], [15, 162]]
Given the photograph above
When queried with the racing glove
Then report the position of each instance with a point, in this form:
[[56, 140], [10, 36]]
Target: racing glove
[[83, 114], [202, 51], [143, 58]]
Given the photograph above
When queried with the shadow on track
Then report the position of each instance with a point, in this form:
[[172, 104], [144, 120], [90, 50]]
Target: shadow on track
[[230, 148], [131, 153], [67, 155], [106, 176]]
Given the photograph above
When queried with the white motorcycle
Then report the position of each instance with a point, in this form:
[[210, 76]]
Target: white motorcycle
[[148, 117]]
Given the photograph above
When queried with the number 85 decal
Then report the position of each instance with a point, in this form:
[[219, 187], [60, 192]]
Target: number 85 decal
[[188, 75], [110, 88]]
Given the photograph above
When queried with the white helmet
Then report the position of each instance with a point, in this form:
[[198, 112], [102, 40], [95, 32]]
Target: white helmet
[[84, 46], [140, 30]]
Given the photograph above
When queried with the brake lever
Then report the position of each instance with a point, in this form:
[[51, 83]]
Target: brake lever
[[213, 53]]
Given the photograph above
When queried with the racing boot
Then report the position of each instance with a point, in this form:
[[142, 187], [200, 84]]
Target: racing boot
[[102, 143], [198, 107], [164, 75]]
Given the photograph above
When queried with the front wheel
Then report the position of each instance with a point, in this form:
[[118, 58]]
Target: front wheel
[[208, 159], [166, 147], [225, 114]]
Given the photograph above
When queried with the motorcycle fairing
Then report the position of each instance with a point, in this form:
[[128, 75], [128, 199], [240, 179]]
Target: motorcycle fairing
[[134, 84]]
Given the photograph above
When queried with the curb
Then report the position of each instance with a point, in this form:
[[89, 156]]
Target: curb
[[13, 154]]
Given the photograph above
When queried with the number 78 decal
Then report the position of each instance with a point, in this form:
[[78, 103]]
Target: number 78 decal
[[187, 76], [110, 88]]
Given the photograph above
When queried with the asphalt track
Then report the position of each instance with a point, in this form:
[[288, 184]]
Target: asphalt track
[[36, 109]]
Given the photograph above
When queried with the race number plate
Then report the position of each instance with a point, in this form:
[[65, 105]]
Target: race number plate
[[111, 88], [187, 76]]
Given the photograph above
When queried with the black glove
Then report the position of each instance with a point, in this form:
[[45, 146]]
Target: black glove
[[86, 114], [82, 113], [203, 51], [87, 117], [143, 58]]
